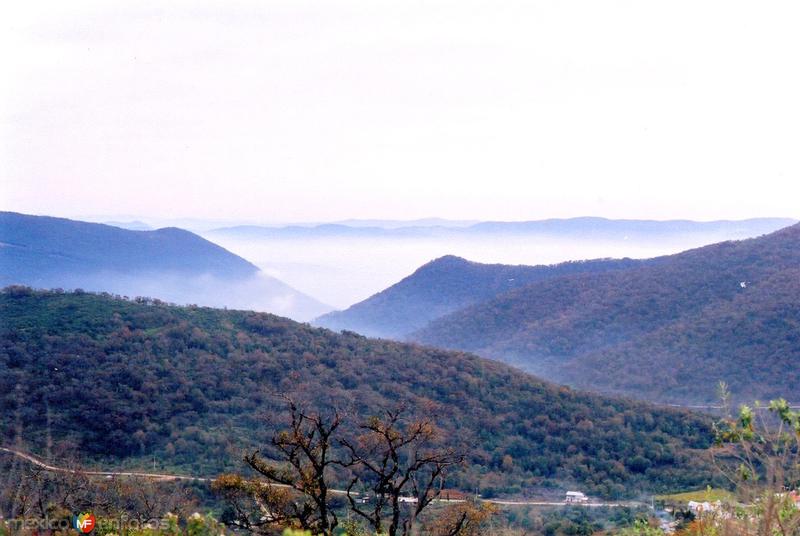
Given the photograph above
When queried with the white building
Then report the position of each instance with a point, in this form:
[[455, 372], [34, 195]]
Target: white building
[[576, 497], [705, 506]]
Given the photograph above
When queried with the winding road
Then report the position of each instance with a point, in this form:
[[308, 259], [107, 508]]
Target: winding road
[[152, 476], [162, 477]]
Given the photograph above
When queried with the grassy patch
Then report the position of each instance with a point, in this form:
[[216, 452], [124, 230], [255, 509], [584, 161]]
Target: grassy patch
[[708, 494]]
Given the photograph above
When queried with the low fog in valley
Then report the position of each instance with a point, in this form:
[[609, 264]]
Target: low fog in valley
[[342, 271]]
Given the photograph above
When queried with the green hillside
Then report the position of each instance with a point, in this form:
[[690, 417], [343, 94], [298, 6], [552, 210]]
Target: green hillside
[[122, 382], [751, 342]]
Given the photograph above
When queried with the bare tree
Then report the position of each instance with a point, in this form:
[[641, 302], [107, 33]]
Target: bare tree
[[305, 460], [462, 519], [38, 492], [259, 506], [400, 461]]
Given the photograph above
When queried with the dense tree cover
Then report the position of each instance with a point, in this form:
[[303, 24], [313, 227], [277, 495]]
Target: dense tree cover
[[751, 342], [563, 521], [128, 381], [445, 285], [666, 331]]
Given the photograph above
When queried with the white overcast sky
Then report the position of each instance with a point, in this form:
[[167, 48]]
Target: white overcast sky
[[310, 111]]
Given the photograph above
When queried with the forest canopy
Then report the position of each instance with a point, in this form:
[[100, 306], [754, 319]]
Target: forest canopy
[[129, 382]]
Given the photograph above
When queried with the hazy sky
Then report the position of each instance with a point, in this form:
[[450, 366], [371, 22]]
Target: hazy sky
[[298, 111]]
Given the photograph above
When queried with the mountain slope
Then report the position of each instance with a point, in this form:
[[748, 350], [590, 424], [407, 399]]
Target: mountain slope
[[572, 328], [43, 247], [125, 382], [446, 285], [751, 342], [170, 263]]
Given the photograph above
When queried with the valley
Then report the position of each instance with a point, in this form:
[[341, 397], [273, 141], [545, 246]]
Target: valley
[[178, 395]]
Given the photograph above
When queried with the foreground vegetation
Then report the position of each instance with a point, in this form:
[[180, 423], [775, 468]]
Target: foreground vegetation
[[758, 452], [399, 463], [702, 495], [135, 507]]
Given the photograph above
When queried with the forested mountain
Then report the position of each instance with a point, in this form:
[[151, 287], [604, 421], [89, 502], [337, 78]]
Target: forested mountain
[[169, 263], [668, 330], [446, 285], [751, 342], [127, 382]]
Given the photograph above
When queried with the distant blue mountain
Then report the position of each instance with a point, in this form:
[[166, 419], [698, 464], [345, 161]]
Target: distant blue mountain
[[397, 224], [606, 228], [135, 225], [37, 248], [586, 227], [325, 230], [171, 264]]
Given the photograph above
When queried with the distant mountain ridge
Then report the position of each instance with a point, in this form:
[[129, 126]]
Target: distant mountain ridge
[[169, 263], [445, 285], [594, 226], [581, 226], [134, 225], [394, 224], [653, 331]]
